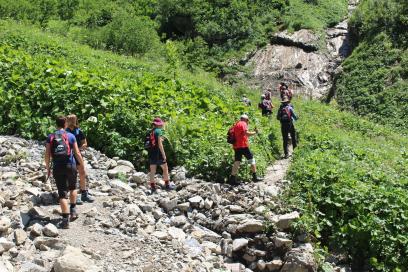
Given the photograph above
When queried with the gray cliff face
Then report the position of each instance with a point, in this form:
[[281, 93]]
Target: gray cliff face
[[297, 59]]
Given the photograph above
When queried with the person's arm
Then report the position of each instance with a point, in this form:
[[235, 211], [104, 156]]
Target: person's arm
[[294, 116], [161, 148], [48, 159], [77, 154], [84, 144]]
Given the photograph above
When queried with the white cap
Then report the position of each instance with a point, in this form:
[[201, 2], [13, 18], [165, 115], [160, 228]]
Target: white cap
[[244, 116]]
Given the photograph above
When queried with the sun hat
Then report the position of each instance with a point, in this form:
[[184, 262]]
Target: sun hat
[[263, 96], [244, 117], [158, 122]]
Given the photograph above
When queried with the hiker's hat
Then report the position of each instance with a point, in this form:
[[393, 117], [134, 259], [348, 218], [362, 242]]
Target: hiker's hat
[[285, 99], [263, 96], [158, 122], [244, 117]]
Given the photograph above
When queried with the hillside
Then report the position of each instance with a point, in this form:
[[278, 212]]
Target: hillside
[[374, 81], [343, 193]]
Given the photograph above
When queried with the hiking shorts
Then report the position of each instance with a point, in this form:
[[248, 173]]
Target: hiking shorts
[[240, 152], [65, 177], [156, 158]]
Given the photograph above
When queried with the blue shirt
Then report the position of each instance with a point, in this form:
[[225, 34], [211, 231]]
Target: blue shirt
[[71, 141], [79, 135]]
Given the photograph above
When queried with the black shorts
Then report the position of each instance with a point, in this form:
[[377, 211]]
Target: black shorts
[[66, 178], [239, 152], [156, 158]]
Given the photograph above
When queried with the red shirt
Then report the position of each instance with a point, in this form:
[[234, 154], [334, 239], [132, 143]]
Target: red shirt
[[240, 132]]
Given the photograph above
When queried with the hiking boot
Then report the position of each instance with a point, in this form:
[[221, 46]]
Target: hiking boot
[[86, 197], [232, 180], [73, 215], [255, 178], [64, 224], [79, 200], [170, 186]]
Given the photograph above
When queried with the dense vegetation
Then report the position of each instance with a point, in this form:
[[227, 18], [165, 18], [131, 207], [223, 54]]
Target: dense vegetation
[[207, 33], [374, 82], [42, 77], [350, 182]]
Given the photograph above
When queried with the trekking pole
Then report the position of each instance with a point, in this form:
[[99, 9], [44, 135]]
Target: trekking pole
[[263, 143]]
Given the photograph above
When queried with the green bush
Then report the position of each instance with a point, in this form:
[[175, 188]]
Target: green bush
[[41, 80], [349, 180]]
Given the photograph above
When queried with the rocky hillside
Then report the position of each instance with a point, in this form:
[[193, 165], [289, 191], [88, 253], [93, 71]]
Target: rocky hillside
[[200, 227], [305, 59]]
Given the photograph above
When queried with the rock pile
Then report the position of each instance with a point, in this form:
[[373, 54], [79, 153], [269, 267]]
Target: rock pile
[[202, 226]]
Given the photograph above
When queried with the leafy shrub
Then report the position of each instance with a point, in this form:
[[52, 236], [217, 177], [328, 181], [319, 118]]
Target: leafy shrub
[[47, 81]]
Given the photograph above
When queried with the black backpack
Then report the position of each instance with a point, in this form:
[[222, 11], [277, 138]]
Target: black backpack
[[231, 135], [285, 115], [150, 140], [60, 148]]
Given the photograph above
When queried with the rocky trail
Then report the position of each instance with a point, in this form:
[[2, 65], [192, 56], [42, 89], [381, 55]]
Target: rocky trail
[[202, 226]]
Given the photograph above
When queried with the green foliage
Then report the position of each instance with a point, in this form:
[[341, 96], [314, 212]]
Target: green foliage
[[41, 79], [315, 14], [374, 81], [207, 33], [349, 180]]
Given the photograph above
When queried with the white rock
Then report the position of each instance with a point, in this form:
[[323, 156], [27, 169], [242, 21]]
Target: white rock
[[32, 267], [36, 230], [239, 243], [250, 226], [161, 235], [50, 230], [5, 224], [176, 233], [282, 243], [6, 266], [168, 204], [126, 163], [134, 209], [195, 201], [208, 203], [274, 265], [20, 236], [5, 244], [117, 183], [261, 265], [139, 178], [72, 260], [285, 220]]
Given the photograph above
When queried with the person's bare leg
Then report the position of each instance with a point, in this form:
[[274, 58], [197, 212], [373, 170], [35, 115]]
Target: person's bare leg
[[253, 168], [82, 177], [152, 174], [235, 168], [64, 206], [165, 169]]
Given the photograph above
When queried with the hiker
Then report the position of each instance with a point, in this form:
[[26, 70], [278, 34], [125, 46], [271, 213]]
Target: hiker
[[284, 91], [241, 148], [157, 156], [287, 116], [73, 127], [268, 94], [61, 147], [266, 106], [246, 101]]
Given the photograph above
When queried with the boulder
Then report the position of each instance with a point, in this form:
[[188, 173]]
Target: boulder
[[73, 260], [20, 236], [168, 204], [126, 163], [274, 265], [299, 260], [176, 233], [50, 230], [282, 243], [6, 266], [36, 230], [139, 178], [195, 201], [161, 235], [117, 183], [31, 267], [285, 220], [5, 224], [239, 244], [5, 244], [250, 226], [50, 242]]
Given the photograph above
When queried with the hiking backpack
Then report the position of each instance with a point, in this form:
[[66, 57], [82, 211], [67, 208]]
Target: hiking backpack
[[60, 148], [231, 135], [285, 114], [150, 140]]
